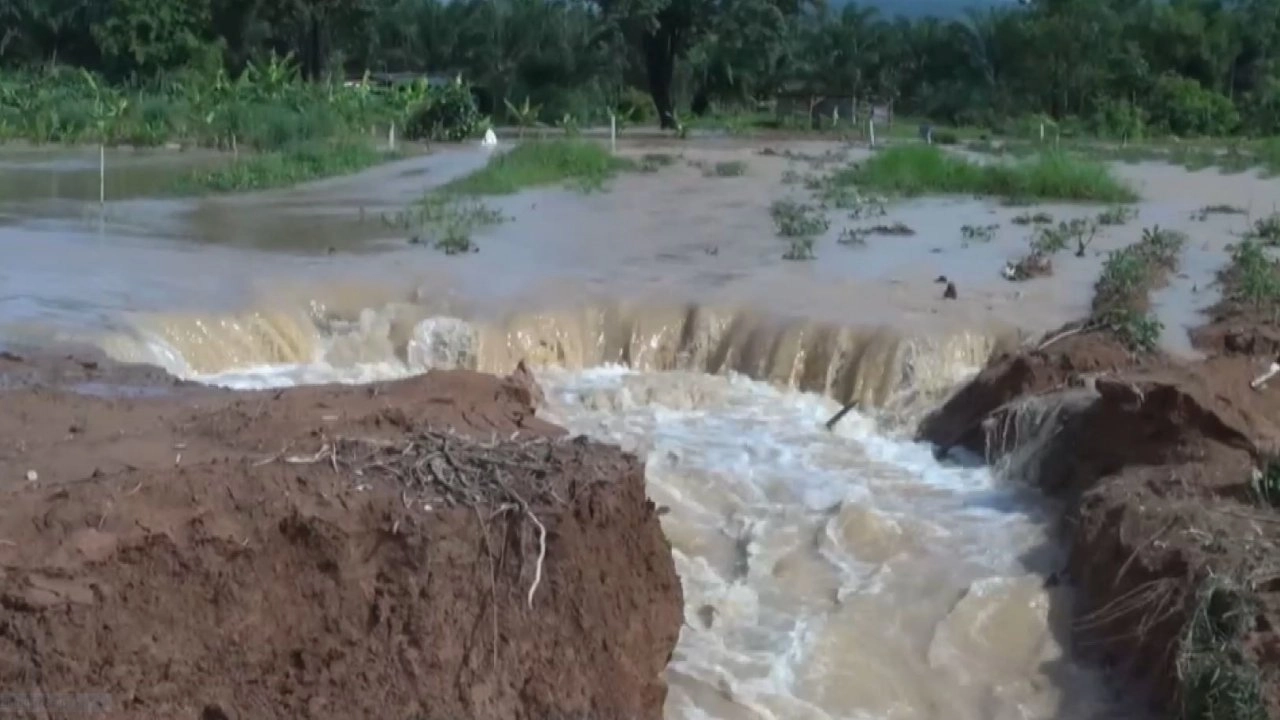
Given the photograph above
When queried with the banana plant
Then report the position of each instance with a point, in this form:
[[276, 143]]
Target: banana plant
[[525, 115]]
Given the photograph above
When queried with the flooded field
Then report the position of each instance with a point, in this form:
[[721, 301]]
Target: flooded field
[[843, 574]]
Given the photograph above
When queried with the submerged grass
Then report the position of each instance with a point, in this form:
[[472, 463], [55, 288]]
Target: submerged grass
[[582, 163], [925, 169], [298, 164], [445, 222]]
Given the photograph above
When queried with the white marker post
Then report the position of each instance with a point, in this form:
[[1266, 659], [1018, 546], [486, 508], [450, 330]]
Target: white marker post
[[391, 137], [1041, 132], [102, 174], [871, 130], [613, 133]]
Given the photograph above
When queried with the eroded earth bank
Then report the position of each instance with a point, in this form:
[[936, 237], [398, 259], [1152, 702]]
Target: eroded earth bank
[[1169, 477], [418, 549]]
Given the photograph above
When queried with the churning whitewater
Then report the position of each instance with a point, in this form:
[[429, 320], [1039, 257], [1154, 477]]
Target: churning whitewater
[[843, 574]]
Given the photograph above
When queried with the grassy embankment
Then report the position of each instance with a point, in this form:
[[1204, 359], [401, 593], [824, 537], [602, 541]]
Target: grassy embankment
[[278, 129]]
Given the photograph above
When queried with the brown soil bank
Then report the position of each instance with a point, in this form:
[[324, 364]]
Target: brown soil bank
[[412, 550], [1168, 474]]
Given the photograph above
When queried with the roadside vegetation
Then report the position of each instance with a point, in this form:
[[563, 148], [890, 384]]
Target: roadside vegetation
[[911, 170]]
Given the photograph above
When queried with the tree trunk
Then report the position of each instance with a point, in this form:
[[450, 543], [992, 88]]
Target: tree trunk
[[313, 68], [660, 65], [701, 101]]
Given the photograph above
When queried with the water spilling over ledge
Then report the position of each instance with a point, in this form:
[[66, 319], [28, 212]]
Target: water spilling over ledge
[[310, 342]]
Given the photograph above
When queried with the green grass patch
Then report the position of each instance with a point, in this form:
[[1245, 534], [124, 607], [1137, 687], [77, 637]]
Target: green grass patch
[[283, 168], [923, 169], [581, 163]]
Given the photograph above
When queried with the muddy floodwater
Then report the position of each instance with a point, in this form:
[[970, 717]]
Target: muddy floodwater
[[843, 574]]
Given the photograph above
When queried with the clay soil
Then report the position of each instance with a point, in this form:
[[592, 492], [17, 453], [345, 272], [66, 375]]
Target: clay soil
[[412, 550], [1175, 553]]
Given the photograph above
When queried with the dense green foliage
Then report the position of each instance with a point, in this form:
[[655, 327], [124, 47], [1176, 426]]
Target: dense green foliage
[[1121, 68], [266, 106]]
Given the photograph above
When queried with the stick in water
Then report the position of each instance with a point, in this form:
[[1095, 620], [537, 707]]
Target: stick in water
[[840, 415]]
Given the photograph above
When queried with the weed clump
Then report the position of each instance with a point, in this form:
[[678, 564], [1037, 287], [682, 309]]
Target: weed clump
[[728, 168], [1252, 278], [446, 222], [801, 249], [1117, 215], [582, 163], [852, 236], [978, 233], [794, 219], [653, 162], [924, 169], [1203, 213], [1266, 230], [1040, 218]]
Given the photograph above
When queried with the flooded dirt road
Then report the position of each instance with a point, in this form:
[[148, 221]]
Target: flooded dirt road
[[826, 575]]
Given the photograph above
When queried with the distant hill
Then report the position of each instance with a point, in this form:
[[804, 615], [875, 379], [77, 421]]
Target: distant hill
[[921, 8]]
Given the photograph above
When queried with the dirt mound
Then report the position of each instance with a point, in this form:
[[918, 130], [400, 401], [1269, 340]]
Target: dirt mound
[[1010, 375], [1170, 476], [411, 550]]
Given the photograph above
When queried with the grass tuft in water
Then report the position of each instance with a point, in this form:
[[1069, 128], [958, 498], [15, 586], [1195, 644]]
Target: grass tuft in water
[[291, 166], [446, 222], [727, 168], [924, 169], [794, 219], [582, 163]]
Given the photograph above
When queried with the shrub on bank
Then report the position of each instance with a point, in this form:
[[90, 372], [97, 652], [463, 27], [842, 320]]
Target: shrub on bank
[[449, 114]]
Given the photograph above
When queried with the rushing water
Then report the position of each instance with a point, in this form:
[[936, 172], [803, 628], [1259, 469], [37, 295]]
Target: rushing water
[[843, 574], [827, 574]]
